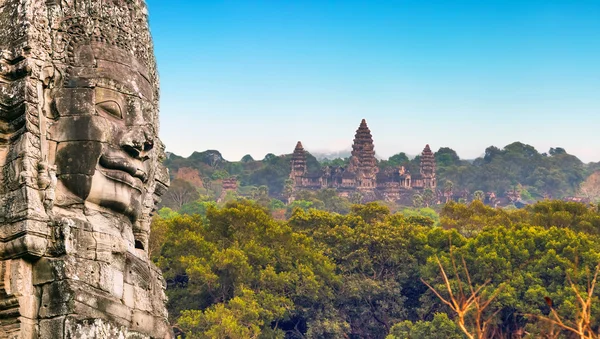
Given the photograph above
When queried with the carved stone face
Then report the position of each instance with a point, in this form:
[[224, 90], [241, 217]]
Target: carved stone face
[[104, 129]]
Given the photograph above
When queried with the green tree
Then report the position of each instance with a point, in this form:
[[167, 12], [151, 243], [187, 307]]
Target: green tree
[[288, 189], [448, 186], [219, 175], [298, 204], [356, 197], [528, 263], [418, 201], [332, 201], [276, 204], [180, 193], [247, 158], [479, 195], [239, 272], [557, 151], [377, 254], [429, 197], [422, 216], [197, 207], [397, 160], [440, 327], [446, 157], [167, 213]]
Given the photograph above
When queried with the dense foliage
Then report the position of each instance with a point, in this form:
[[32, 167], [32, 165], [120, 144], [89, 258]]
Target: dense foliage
[[236, 272]]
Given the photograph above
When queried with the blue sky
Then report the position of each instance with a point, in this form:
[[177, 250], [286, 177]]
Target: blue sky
[[257, 76]]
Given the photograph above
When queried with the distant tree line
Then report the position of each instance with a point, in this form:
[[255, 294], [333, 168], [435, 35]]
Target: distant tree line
[[516, 167]]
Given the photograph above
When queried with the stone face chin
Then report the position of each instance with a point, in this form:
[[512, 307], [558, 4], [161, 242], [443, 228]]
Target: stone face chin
[[80, 171]]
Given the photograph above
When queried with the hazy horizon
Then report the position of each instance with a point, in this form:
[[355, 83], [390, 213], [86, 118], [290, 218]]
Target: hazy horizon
[[333, 154], [256, 77]]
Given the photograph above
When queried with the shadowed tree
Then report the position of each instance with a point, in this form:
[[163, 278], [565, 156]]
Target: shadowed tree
[[479, 195], [180, 193]]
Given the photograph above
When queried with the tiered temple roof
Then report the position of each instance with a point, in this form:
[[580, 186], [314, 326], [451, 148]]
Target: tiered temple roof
[[298, 171], [299, 159], [363, 147], [230, 184], [427, 162]]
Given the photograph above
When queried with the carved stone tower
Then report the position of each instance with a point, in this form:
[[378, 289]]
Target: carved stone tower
[[80, 171], [298, 164], [428, 168], [363, 161]]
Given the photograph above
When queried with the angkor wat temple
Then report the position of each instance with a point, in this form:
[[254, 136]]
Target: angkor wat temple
[[362, 174]]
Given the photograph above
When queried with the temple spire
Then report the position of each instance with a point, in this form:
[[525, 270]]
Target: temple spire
[[364, 163], [428, 167], [298, 164], [363, 147]]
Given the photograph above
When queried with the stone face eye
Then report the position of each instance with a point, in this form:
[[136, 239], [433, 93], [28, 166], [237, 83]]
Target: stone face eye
[[110, 107]]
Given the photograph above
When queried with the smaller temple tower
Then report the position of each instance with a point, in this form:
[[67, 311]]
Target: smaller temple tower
[[428, 168], [298, 164], [363, 161]]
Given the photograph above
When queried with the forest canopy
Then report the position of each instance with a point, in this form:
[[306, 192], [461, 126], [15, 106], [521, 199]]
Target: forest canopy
[[236, 272]]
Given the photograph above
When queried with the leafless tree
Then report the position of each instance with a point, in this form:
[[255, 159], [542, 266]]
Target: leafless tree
[[468, 304]]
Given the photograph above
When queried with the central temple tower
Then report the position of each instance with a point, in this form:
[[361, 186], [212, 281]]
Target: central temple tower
[[363, 162], [298, 164]]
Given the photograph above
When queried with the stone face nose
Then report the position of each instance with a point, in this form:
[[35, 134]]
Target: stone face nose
[[138, 142]]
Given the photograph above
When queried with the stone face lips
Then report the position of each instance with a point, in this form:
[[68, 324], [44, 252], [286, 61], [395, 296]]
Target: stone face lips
[[80, 171]]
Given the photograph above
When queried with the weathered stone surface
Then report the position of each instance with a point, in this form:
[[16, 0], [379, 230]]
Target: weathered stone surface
[[52, 328], [97, 328], [80, 171]]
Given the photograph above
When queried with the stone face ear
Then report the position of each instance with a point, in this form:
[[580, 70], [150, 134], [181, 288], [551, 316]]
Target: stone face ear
[[47, 74]]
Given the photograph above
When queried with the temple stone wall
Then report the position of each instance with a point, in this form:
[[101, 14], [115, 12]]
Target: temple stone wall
[[80, 171]]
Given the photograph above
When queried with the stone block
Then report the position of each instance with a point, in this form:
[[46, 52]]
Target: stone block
[[108, 245], [101, 303], [27, 245], [84, 270], [78, 328], [111, 280], [142, 322], [20, 278], [45, 271], [57, 299], [52, 328], [129, 295], [29, 306], [78, 157], [143, 299], [161, 325], [28, 328], [84, 244], [138, 272]]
